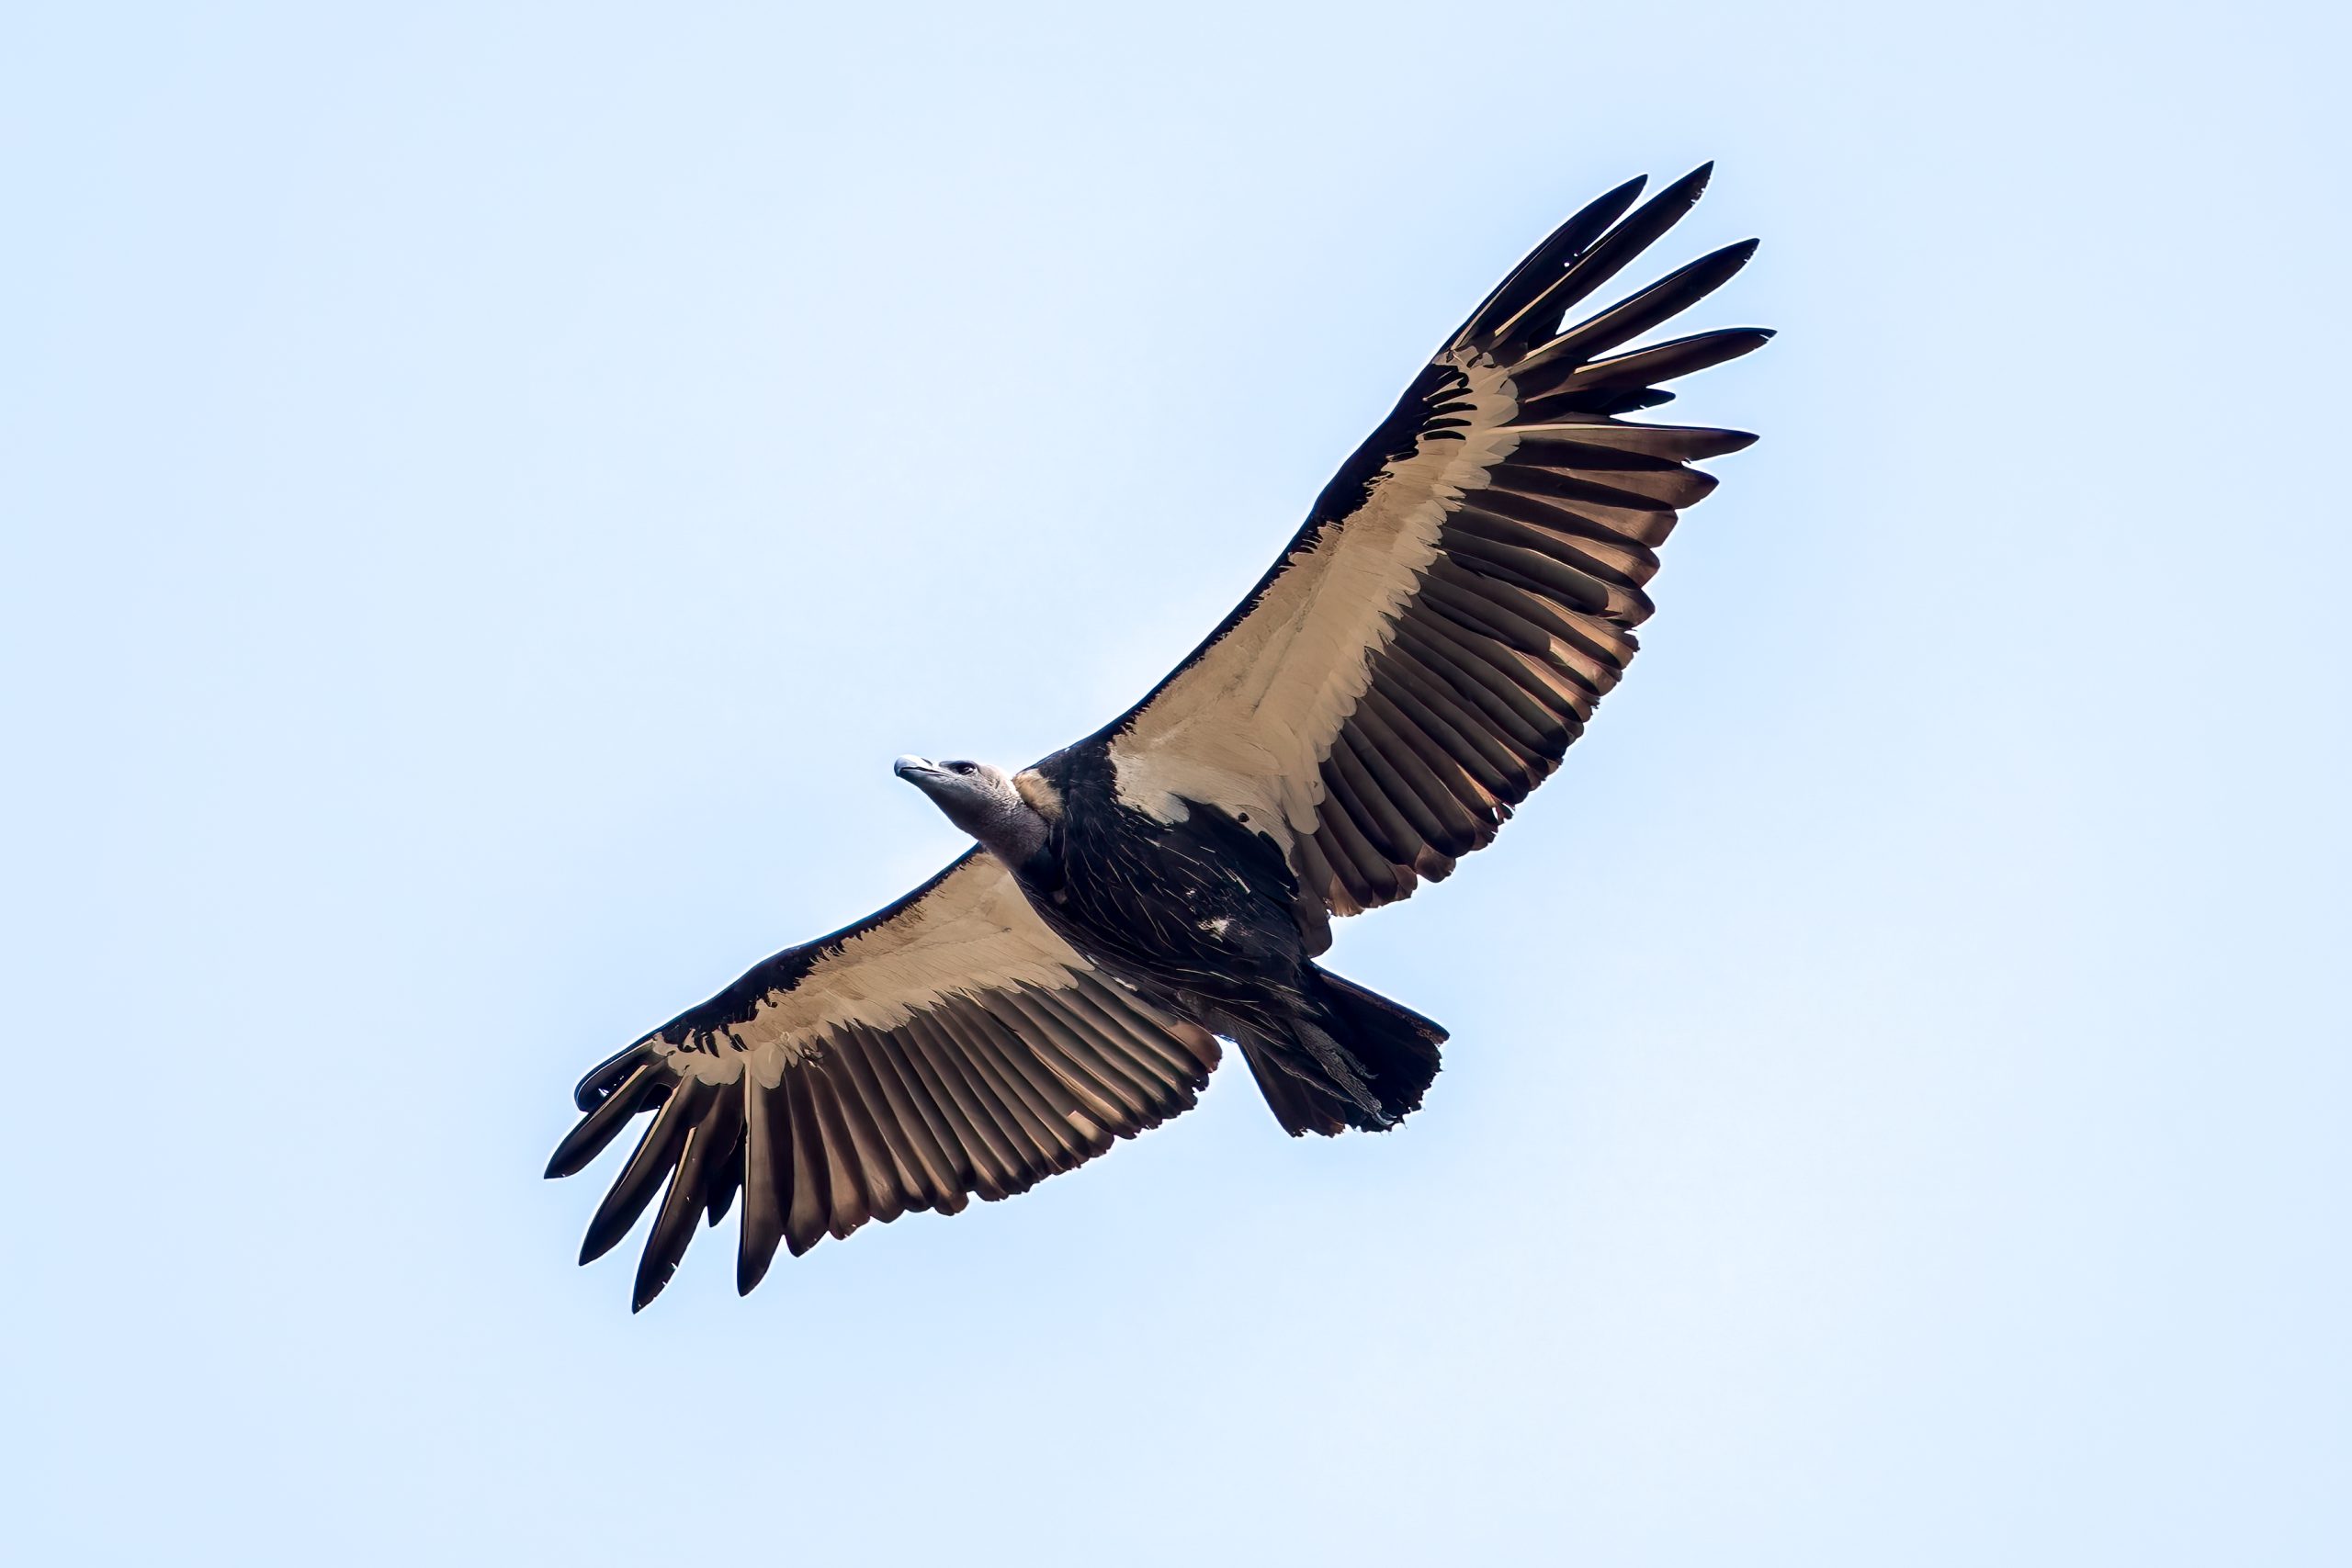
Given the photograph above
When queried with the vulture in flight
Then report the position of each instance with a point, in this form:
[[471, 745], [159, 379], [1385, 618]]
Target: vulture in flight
[[1463, 593]]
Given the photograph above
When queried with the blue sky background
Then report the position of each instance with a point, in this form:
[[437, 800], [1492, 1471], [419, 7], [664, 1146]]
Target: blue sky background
[[488, 489]]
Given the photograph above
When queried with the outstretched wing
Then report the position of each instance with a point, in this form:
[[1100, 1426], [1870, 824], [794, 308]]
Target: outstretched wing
[[1464, 590], [947, 1045]]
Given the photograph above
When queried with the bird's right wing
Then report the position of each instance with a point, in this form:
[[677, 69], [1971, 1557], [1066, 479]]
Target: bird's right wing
[[947, 1045], [1464, 590]]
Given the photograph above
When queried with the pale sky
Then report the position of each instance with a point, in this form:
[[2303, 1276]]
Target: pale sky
[[488, 489]]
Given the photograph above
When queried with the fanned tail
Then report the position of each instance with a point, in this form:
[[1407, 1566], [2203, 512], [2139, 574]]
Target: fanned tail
[[1352, 1058]]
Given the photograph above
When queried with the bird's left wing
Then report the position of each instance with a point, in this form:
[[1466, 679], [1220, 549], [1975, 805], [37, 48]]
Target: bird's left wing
[[1464, 590], [948, 1044]]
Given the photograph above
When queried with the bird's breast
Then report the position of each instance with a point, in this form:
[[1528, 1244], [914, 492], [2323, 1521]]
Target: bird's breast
[[1169, 906]]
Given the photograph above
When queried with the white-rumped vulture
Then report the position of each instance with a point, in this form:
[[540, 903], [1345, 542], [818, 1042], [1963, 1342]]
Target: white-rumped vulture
[[1463, 593]]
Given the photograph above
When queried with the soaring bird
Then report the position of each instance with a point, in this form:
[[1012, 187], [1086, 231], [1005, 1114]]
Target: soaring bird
[[1463, 593]]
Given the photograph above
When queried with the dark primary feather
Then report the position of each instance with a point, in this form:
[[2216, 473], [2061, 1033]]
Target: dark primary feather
[[604, 1121], [707, 1141], [767, 1180], [1631, 317], [1544, 264], [1596, 265], [656, 1157]]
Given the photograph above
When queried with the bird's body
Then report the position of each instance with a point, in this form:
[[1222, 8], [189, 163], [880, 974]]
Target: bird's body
[[1200, 915], [1417, 662]]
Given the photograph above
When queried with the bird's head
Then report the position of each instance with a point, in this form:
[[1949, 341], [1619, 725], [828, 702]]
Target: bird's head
[[983, 800]]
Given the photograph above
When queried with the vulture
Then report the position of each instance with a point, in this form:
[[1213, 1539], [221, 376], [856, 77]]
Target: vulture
[[1463, 593]]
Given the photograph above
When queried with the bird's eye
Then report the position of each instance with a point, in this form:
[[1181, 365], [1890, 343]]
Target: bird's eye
[[961, 767]]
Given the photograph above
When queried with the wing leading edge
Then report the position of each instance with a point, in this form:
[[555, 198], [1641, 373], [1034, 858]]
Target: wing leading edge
[[1465, 590], [946, 1046]]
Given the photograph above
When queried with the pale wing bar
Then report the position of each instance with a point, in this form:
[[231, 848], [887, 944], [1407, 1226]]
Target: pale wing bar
[[1524, 620], [986, 1090]]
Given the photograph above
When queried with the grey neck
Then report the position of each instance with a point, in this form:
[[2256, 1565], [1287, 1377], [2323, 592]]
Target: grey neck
[[1010, 830]]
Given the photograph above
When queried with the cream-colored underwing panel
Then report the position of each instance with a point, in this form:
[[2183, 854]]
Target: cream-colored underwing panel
[[1247, 727], [972, 932]]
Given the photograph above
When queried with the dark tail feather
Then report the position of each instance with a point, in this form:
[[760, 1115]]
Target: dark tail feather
[[1356, 1060]]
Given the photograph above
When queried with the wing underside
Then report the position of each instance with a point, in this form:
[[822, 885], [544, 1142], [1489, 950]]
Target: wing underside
[[1465, 591], [831, 1086]]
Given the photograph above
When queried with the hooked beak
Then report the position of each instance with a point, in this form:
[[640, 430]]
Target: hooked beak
[[913, 769]]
